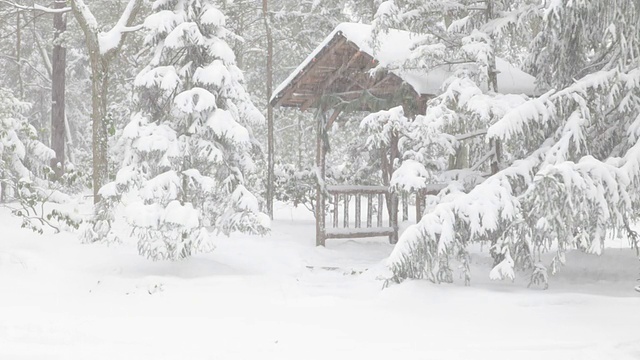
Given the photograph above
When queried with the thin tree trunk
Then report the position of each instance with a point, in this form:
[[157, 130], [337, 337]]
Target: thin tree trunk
[[493, 86], [68, 140], [43, 52], [270, 140], [374, 10], [58, 67], [19, 54], [493, 72], [497, 256]]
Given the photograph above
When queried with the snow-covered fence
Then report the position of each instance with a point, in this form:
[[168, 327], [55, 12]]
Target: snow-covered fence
[[377, 197]]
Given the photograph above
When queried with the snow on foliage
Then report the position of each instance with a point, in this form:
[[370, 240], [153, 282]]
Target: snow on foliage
[[504, 270], [411, 176], [424, 146], [22, 156], [26, 174], [570, 173], [213, 17], [189, 145]]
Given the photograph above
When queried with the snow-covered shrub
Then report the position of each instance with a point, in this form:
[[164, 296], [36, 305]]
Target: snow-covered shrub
[[24, 170], [539, 276], [189, 144], [98, 227], [31, 205], [297, 187], [22, 156]]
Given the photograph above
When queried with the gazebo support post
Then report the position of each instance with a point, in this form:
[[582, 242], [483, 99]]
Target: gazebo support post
[[321, 160], [393, 216], [321, 169]]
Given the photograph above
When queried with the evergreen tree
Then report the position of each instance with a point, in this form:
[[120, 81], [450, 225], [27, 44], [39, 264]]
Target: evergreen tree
[[572, 177], [190, 144], [23, 159]]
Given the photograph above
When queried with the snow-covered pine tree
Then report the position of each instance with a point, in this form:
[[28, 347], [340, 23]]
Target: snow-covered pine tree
[[462, 37], [189, 145], [573, 180]]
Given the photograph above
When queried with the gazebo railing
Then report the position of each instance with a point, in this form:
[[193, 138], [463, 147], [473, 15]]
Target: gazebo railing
[[377, 198], [366, 217]]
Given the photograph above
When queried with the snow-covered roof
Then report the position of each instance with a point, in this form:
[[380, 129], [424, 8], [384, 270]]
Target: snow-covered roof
[[393, 48]]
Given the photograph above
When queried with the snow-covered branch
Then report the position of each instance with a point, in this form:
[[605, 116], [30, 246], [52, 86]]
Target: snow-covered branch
[[85, 17], [106, 42], [37, 7], [112, 39]]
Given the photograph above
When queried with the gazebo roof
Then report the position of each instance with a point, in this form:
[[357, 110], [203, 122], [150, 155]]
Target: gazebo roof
[[342, 64]]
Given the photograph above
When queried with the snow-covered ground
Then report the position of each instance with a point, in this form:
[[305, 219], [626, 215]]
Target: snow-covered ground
[[280, 297]]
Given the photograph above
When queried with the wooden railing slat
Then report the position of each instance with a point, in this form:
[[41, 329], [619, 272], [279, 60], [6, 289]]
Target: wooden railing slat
[[369, 210], [380, 207], [358, 213], [336, 200], [346, 211]]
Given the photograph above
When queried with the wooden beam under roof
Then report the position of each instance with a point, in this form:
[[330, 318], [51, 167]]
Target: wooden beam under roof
[[334, 116], [307, 104], [336, 42], [336, 75]]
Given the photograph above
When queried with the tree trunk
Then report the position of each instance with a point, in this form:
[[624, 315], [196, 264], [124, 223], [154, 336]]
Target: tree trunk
[[99, 90], [99, 83], [58, 67], [270, 138], [493, 72], [493, 85], [497, 256], [19, 55]]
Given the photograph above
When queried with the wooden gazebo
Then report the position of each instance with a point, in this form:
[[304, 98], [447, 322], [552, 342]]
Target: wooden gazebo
[[349, 71]]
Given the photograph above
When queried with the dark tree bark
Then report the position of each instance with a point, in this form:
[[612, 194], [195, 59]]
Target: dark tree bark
[[58, 67], [270, 139]]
